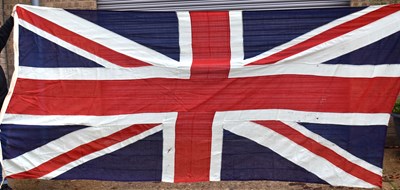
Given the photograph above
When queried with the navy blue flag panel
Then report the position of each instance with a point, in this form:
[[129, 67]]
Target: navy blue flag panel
[[289, 95]]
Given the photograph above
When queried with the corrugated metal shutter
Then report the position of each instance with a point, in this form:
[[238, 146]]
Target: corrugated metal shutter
[[170, 5]]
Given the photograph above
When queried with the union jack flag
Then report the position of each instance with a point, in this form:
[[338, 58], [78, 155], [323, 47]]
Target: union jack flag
[[293, 95]]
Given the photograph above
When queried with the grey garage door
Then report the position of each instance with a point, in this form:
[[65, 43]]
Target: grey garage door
[[169, 5]]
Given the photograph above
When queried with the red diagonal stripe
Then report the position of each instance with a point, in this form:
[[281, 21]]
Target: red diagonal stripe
[[82, 151], [307, 93], [79, 41], [329, 34], [324, 152]]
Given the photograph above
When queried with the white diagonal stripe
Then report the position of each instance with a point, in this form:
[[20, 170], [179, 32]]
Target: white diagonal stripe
[[295, 153], [313, 33], [349, 42], [350, 157], [102, 152], [101, 35], [66, 45], [100, 126]]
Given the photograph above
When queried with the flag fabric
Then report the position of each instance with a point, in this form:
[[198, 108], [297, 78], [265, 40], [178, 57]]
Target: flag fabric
[[288, 95]]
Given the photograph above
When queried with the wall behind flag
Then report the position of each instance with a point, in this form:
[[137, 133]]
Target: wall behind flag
[[360, 3], [170, 5]]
